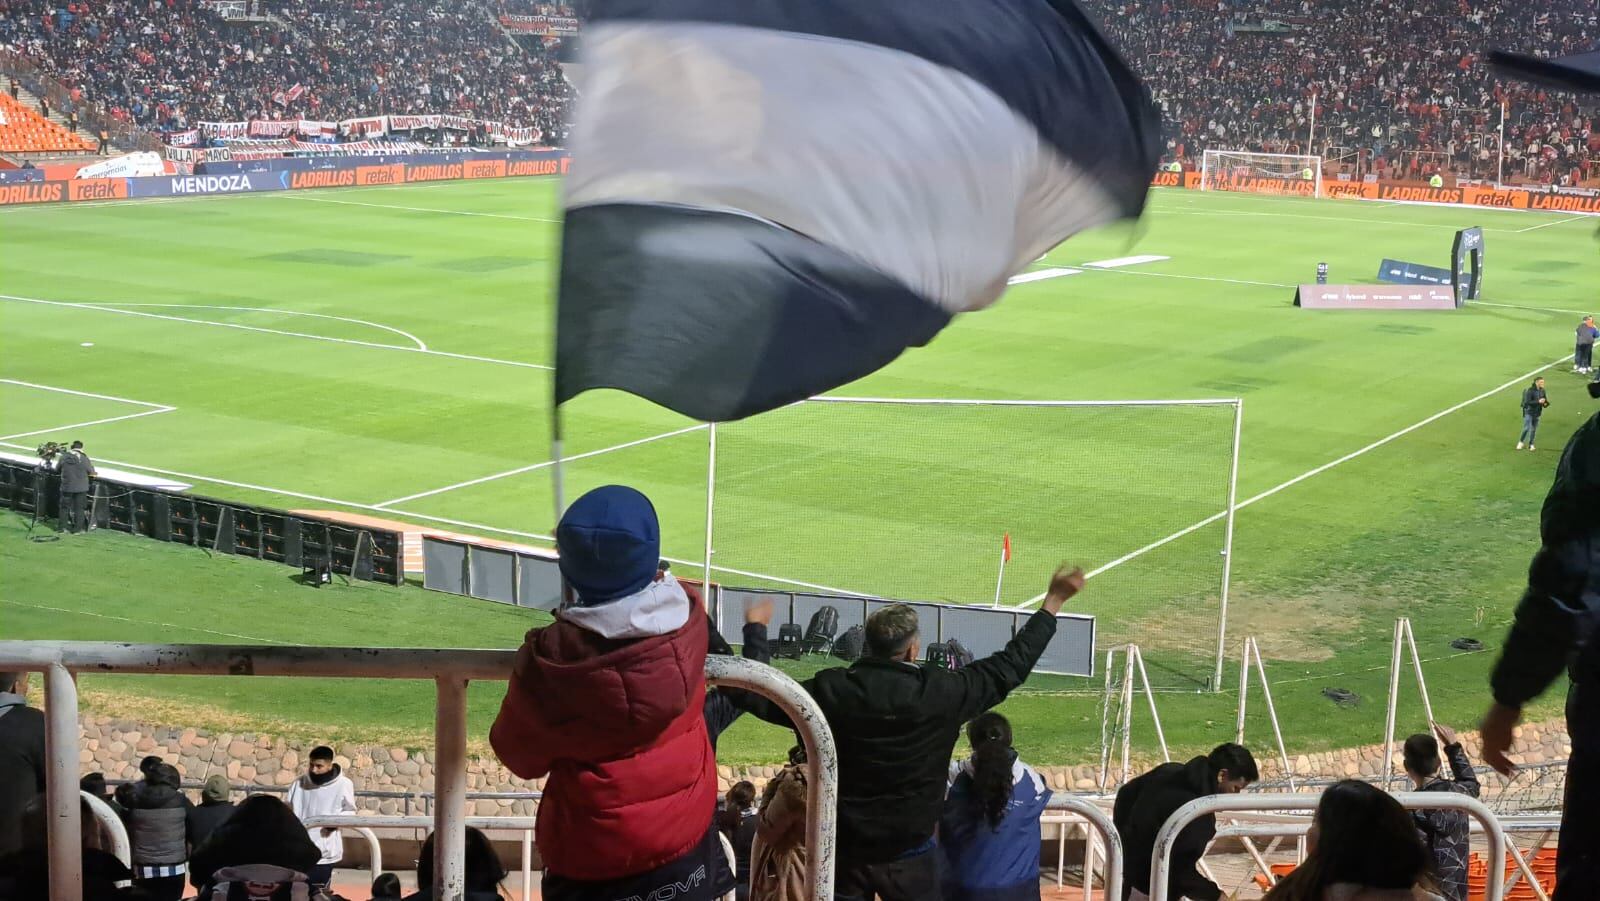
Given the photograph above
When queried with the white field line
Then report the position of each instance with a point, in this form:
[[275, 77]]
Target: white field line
[[1313, 472], [201, 306], [532, 467], [82, 425], [142, 622], [1534, 228], [1040, 275], [120, 400], [1518, 306], [1197, 278], [99, 307], [413, 209], [1119, 262], [463, 524]]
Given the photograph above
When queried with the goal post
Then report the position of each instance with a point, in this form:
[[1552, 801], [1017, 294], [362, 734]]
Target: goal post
[[1261, 173], [925, 499]]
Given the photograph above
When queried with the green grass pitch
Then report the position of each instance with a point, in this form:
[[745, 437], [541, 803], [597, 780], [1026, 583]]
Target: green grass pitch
[[372, 349]]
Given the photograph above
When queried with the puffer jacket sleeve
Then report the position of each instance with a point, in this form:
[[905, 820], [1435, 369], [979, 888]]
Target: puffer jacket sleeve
[[519, 737]]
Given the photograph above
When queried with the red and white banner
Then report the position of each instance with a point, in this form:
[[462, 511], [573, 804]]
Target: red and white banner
[[294, 93], [272, 128], [225, 129], [408, 123], [356, 128], [184, 138], [455, 123], [550, 25], [312, 128]]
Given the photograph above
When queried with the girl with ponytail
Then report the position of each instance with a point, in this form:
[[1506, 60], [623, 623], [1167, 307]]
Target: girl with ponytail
[[989, 833]]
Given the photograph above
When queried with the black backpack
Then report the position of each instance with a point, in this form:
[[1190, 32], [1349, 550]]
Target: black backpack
[[820, 631], [938, 655], [958, 655], [850, 645], [788, 641]]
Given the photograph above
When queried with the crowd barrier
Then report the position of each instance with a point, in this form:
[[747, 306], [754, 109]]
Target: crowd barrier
[[292, 174], [529, 578], [451, 670]]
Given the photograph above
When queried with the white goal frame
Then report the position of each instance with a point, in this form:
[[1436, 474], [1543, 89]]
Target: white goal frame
[[1213, 160], [1227, 514]]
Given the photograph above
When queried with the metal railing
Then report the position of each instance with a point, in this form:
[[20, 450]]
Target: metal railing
[[363, 826], [1096, 817], [451, 670], [90, 114], [1161, 856]]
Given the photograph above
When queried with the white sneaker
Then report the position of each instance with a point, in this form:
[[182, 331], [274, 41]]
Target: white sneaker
[[1519, 445], [1531, 447]]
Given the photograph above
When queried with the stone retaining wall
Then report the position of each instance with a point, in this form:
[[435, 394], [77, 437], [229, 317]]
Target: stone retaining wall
[[115, 747]]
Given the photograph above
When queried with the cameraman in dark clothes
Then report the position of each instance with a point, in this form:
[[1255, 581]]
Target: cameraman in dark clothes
[[75, 469]]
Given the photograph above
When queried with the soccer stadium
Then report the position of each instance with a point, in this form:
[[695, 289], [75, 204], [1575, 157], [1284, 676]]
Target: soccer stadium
[[1058, 448]]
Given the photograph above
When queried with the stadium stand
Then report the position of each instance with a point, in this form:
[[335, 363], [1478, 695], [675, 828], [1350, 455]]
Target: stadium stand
[[23, 130]]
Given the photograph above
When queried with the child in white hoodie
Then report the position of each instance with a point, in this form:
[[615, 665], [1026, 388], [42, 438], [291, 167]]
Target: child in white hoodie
[[323, 791]]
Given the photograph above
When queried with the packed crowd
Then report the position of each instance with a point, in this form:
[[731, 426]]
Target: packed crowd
[[610, 705], [1401, 85], [168, 64]]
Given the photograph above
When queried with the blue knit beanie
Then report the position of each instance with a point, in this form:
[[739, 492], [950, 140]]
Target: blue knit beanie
[[609, 543]]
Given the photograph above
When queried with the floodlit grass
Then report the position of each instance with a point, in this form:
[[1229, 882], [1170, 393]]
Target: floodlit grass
[[343, 349]]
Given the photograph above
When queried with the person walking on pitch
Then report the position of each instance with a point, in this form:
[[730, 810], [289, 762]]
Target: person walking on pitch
[[1533, 403]]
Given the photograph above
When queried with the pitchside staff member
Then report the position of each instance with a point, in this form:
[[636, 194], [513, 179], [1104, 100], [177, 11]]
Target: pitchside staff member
[[76, 469], [1557, 624]]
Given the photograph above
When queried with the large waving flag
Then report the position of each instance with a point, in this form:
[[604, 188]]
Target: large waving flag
[[770, 198]]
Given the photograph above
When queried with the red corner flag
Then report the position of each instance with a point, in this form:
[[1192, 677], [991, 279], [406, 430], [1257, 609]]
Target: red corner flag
[[1006, 548]]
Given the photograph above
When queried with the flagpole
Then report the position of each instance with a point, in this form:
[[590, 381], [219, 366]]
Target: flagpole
[[1002, 578]]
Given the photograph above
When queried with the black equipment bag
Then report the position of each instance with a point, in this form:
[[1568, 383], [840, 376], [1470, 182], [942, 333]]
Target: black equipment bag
[[788, 641], [938, 655], [959, 656], [820, 631], [850, 645]]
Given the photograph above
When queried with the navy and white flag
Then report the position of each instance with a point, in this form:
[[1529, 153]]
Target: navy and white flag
[[771, 198]]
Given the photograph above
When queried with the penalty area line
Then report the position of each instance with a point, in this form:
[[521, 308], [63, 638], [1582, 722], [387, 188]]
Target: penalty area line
[[1311, 473]]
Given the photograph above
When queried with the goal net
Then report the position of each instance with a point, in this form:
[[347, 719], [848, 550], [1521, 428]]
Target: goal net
[[1261, 173], [913, 499]]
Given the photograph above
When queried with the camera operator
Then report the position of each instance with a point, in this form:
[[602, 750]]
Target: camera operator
[[75, 469]]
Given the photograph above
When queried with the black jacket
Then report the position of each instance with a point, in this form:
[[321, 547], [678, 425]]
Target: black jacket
[[1531, 397], [21, 767], [724, 705], [157, 817], [236, 844], [205, 819], [1446, 830], [1144, 805], [895, 725], [1557, 624]]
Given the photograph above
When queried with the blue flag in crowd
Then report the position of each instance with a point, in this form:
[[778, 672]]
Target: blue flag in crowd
[[771, 198]]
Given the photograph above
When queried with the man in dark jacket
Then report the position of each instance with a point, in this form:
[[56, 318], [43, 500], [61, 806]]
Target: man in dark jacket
[[1445, 830], [895, 725], [1533, 403], [76, 470], [1145, 804], [22, 760], [158, 814], [1557, 627], [214, 810]]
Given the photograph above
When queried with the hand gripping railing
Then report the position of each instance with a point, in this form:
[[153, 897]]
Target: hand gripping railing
[[451, 670], [1097, 818], [1161, 856]]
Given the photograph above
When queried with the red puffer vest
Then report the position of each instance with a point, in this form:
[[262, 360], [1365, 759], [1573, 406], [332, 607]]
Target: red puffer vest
[[618, 726]]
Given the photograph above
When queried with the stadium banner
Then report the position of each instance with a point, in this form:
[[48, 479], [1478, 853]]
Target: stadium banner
[[1264, 184], [547, 25], [225, 129], [183, 138], [484, 169], [272, 128], [1165, 179], [433, 171], [547, 165], [1423, 193], [181, 185], [1398, 272], [1503, 198], [1373, 297], [455, 123], [392, 174], [19, 176], [1350, 189], [97, 189], [1564, 203], [373, 125], [407, 123], [33, 192]]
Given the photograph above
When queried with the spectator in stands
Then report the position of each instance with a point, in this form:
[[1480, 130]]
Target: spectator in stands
[[15, 89], [157, 811], [386, 887], [105, 143], [1446, 831], [126, 789], [737, 821], [725, 705], [214, 810], [25, 873], [484, 871], [778, 855], [895, 724], [324, 790], [263, 831], [608, 702], [990, 829], [1362, 847], [22, 760], [95, 784], [1147, 802]]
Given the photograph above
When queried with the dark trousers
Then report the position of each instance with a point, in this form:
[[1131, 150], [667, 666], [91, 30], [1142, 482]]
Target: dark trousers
[[1578, 851], [161, 888], [1584, 357], [74, 516], [320, 875], [700, 875], [908, 879]]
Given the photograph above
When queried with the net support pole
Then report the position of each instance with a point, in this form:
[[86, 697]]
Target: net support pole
[[1311, 133], [711, 496], [1227, 543], [1000, 580], [1394, 701], [1500, 165]]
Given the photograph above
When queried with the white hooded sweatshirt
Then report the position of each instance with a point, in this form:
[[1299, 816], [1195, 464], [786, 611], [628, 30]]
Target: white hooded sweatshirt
[[336, 796]]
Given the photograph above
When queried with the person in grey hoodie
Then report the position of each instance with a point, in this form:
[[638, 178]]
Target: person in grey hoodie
[[157, 817]]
